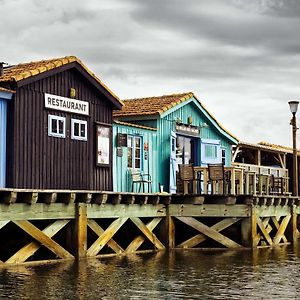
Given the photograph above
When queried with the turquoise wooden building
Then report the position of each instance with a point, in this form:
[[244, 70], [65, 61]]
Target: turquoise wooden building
[[135, 148], [5, 96], [185, 132]]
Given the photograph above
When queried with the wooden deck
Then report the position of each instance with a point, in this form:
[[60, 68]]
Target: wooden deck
[[48, 225]]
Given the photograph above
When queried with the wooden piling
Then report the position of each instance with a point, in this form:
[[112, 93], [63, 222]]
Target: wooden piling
[[294, 233], [81, 230], [99, 220]]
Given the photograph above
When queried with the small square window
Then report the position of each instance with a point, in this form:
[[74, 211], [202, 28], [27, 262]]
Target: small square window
[[56, 126], [78, 129]]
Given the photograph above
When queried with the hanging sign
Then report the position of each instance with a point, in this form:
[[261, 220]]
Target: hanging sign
[[187, 129], [122, 140], [66, 104]]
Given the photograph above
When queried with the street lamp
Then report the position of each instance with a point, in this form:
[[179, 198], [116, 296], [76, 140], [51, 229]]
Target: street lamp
[[293, 108]]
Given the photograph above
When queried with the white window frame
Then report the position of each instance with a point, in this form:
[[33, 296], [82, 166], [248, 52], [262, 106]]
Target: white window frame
[[133, 147], [80, 122], [50, 129], [210, 160]]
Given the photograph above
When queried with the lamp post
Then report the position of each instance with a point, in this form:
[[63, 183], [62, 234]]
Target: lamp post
[[293, 108]]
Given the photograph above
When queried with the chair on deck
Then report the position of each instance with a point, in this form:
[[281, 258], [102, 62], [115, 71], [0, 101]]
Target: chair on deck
[[276, 185], [217, 175], [187, 177], [137, 177]]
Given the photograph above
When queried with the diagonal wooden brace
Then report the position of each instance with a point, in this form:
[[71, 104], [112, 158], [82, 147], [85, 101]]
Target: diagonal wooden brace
[[99, 231], [148, 233], [199, 238], [24, 253], [138, 241], [106, 236], [280, 233], [208, 231], [42, 238]]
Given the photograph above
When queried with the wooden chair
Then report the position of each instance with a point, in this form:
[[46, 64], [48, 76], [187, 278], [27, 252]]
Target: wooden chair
[[187, 177], [276, 185], [216, 175], [137, 177]]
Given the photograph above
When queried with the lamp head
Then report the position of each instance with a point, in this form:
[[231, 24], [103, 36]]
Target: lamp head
[[293, 106]]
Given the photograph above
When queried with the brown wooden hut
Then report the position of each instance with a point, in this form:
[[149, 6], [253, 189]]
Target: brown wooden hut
[[59, 122]]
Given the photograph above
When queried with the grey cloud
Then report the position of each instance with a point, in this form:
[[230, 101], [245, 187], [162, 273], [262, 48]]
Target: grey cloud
[[240, 57], [279, 8], [233, 27]]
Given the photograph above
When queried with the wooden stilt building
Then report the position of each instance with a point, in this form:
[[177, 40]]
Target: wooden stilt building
[[59, 126]]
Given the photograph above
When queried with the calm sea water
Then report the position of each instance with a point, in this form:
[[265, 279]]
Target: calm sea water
[[193, 274]]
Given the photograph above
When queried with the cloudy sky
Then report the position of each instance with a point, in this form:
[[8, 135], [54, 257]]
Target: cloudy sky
[[241, 58]]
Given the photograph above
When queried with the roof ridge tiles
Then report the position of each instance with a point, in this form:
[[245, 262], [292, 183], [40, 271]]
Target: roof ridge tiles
[[161, 96]]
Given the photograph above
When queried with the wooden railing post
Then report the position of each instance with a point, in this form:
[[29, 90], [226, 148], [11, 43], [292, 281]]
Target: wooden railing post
[[81, 229]]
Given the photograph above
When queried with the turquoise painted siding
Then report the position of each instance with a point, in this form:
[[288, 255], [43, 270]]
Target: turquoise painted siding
[[3, 122], [167, 124], [121, 172], [209, 130]]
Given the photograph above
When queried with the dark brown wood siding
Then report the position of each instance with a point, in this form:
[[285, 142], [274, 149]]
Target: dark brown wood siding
[[37, 160]]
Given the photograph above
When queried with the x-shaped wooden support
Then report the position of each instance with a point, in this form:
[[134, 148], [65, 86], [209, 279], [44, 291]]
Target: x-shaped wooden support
[[147, 230], [266, 228], [42, 237], [106, 236], [210, 231], [199, 238], [99, 231]]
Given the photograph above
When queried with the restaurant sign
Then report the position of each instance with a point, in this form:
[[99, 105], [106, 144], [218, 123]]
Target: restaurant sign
[[66, 104], [187, 129]]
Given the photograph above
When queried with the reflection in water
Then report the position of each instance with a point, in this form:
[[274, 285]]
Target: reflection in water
[[185, 274]]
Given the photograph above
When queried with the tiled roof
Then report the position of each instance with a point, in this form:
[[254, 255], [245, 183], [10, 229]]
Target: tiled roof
[[151, 105], [135, 125], [6, 90], [158, 105], [26, 70]]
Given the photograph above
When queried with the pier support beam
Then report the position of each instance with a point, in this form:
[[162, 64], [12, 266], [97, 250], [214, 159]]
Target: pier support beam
[[249, 229], [294, 233], [81, 230], [170, 232]]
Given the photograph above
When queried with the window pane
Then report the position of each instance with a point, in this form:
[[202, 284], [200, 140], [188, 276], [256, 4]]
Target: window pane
[[138, 142], [211, 151], [82, 130], [76, 129], [129, 142], [61, 126], [54, 125], [137, 163], [129, 157], [137, 153]]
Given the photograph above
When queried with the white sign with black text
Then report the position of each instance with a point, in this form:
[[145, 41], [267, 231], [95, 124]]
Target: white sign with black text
[[66, 104]]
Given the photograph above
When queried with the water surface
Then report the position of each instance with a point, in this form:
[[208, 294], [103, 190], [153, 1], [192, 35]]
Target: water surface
[[184, 274]]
